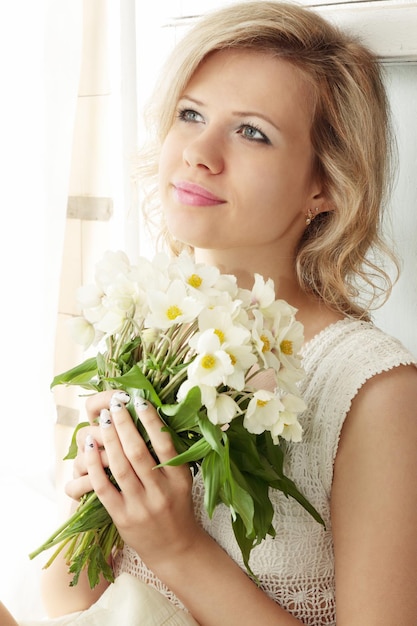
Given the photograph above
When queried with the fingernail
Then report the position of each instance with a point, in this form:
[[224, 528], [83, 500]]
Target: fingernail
[[140, 404], [122, 396], [89, 443], [115, 405], [105, 419]]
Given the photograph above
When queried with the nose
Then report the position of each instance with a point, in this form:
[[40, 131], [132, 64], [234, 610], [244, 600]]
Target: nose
[[205, 151]]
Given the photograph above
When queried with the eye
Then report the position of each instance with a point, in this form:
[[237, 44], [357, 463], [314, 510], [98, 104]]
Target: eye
[[189, 115], [253, 133]]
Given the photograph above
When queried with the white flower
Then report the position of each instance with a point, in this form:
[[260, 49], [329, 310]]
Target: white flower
[[82, 331], [263, 412], [263, 293], [243, 360], [223, 410], [221, 322], [89, 296], [111, 322], [227, 284], [279, 314], [111, 265], [118, 304], [288, 377], [149, 336], [121, 296], [211, 365], [288, 427], [198, 277], [172, 307], [264, 341], [289, 343], [155, 274]]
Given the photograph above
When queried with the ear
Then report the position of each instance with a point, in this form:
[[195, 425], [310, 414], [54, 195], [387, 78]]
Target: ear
[[319, 202]]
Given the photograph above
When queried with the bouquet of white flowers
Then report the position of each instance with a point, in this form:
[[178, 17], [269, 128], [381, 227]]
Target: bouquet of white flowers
[[185, 337]]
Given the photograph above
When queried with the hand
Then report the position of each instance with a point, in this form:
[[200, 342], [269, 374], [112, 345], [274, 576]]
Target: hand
[[81, 483], [153, 510]]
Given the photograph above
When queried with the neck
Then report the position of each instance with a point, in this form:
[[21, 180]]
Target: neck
[[245, 265], [313, 314]]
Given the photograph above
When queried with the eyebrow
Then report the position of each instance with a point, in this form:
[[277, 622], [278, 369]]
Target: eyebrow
[[236, 113], [256, 114]]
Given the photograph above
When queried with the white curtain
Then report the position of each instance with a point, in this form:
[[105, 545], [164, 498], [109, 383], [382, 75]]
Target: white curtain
[[40, 59]]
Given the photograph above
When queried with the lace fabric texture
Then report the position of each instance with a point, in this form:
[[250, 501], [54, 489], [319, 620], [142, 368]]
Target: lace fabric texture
[[296, 568]]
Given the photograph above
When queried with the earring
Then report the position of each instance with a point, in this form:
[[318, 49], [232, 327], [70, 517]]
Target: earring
[[311, 215]]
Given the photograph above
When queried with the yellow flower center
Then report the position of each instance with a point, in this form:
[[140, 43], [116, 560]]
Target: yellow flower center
[[208, 362], [195, 280], [286, 347], [220, 334], [173, 312], [266, 343], [232, 358], [261, 403]]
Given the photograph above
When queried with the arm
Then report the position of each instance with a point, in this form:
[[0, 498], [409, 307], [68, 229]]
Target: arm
[[57, 595], [5, 618], [59, 598], [374, 504]]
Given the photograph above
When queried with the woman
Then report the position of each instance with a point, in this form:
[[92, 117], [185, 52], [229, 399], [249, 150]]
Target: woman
[[271, 156]]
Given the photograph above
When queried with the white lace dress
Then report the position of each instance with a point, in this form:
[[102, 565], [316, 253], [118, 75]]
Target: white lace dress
[[296, 568]]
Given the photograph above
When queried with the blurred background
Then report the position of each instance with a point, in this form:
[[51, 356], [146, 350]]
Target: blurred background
[[75, 75]]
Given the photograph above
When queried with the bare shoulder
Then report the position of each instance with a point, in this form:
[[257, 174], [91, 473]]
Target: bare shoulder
[[382, 421], [386, 401], [374, 503]]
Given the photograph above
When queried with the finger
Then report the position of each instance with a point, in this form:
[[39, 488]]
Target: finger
[[129, 458], [102, 400], [79, 467], [77, 487], [161, 439], [82, 433], [107, 493]]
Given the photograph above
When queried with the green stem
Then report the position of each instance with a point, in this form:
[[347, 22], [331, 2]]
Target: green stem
[[55, 554], [54, 539], [173, 384]]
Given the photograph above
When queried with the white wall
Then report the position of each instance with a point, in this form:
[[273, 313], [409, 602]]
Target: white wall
[[398, 315]]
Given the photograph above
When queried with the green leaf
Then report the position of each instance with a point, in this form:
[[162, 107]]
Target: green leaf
[[196, 452], [136, 379], [97, 566], [275, 456], [76, 567], [263, 510], [274, 453], [183, 415], [245, 543], [213, 476], [181, 443], [240, 502], [78, 375], [73, 449], [212, 434]]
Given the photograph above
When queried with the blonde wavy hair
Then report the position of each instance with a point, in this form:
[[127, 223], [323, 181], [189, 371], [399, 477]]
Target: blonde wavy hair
[[339, 258]]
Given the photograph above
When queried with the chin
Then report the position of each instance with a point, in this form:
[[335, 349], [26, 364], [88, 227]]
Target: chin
[[192, 237]]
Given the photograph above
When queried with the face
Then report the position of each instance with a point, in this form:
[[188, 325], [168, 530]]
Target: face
[[236, 169]]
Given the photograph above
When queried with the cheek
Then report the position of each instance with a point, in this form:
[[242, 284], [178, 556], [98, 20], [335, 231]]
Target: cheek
[[169, 156], [164, 164]]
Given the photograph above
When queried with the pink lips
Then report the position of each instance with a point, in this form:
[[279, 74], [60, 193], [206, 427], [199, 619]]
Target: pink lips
[[194, 195]]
